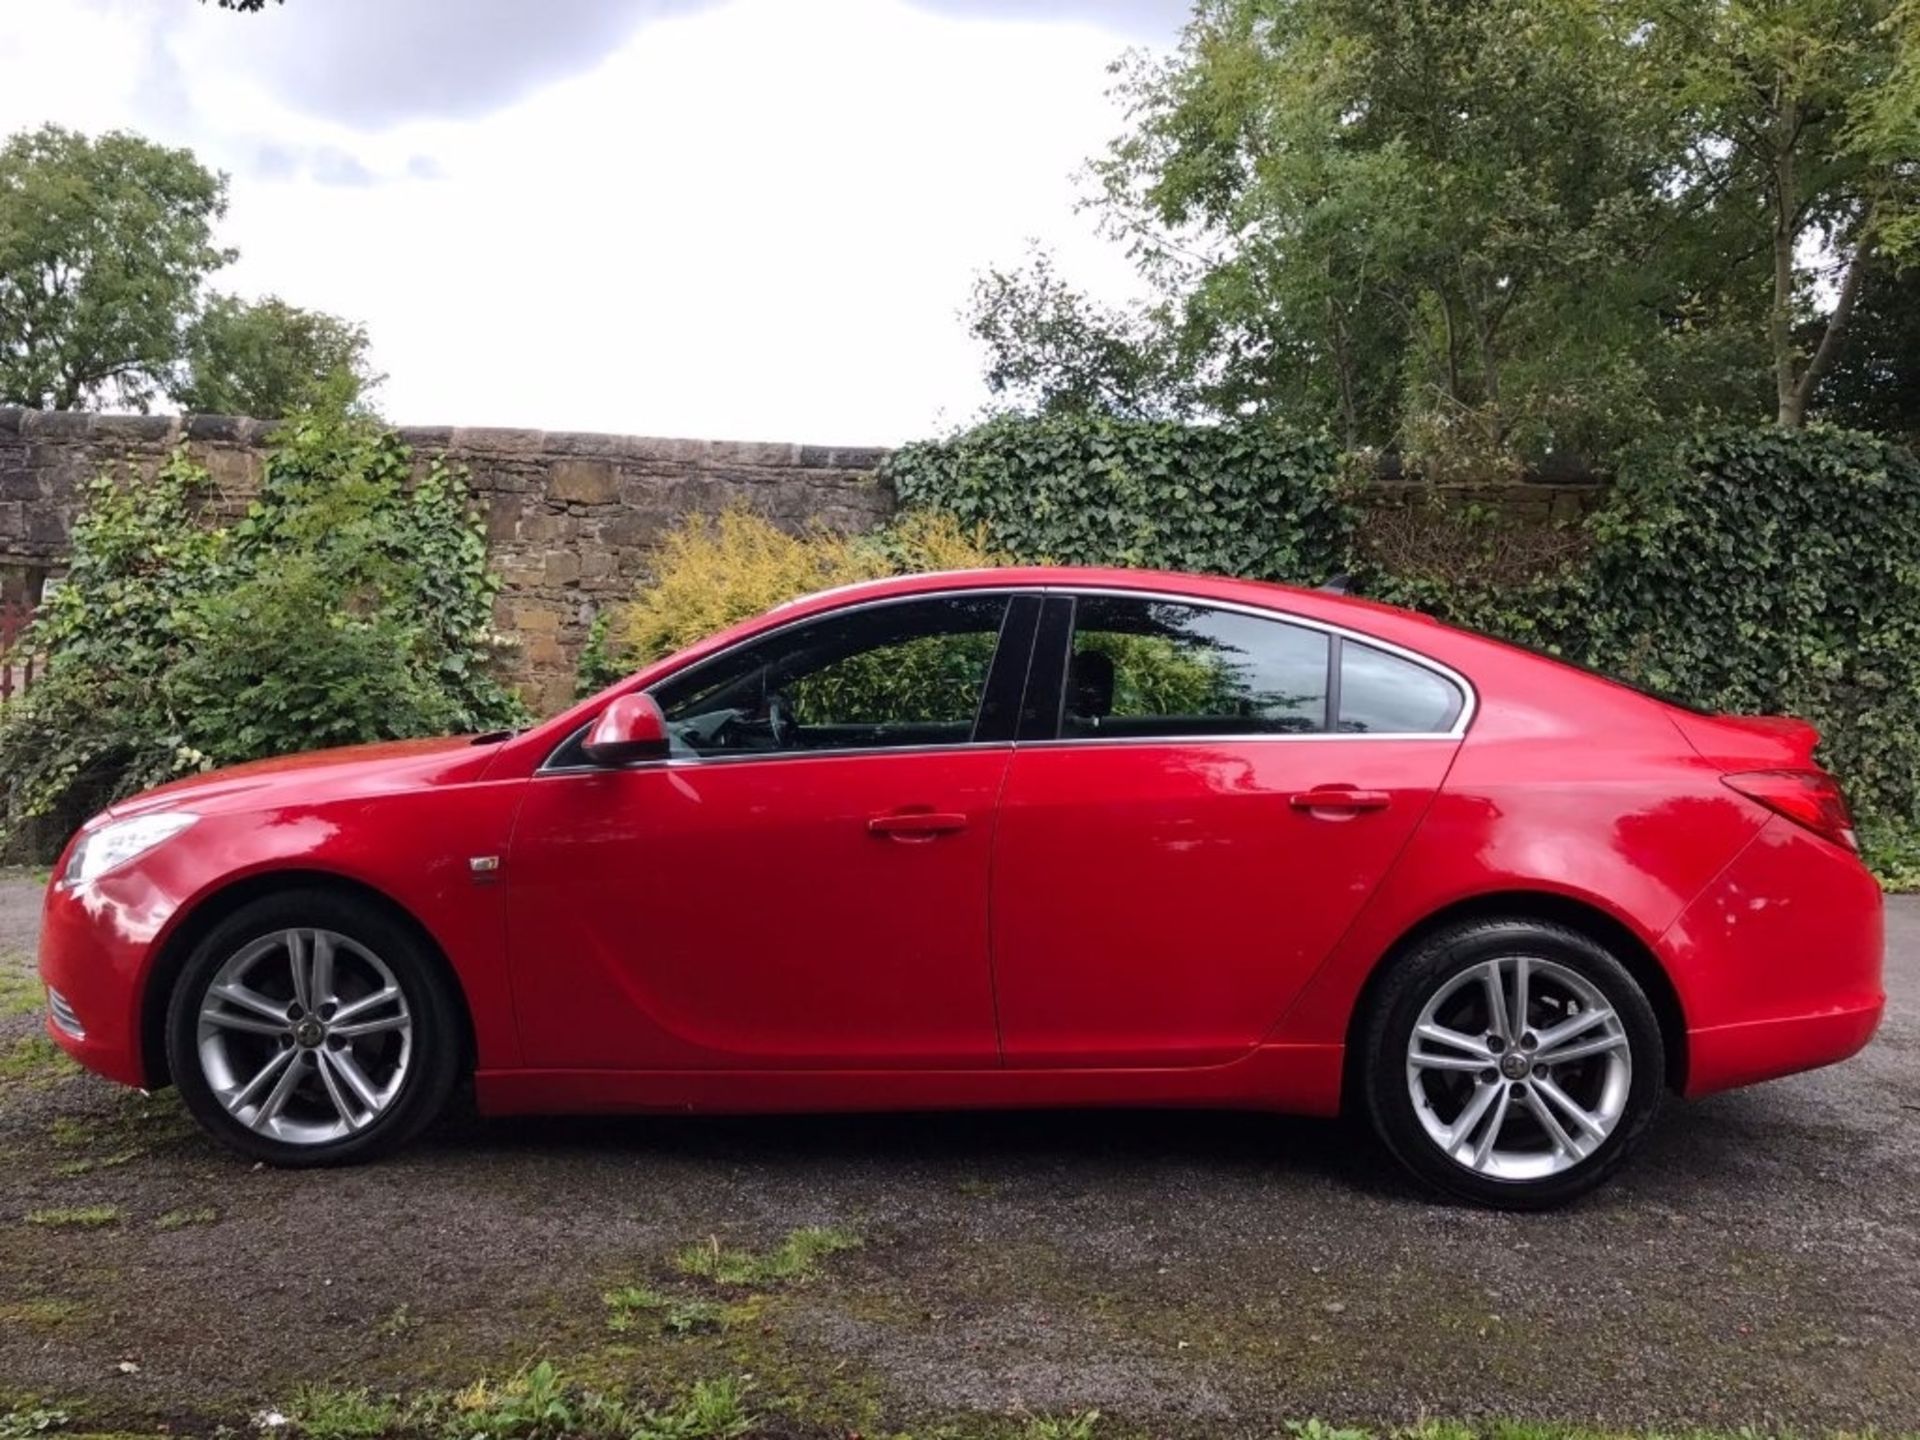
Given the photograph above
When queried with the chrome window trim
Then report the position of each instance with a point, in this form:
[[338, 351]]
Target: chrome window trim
[[1470, 702], [1469, 697]]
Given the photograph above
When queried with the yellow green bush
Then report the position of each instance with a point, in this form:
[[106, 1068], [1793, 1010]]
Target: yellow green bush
[[712, 572]]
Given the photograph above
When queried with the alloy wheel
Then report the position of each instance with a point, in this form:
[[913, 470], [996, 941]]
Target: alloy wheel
[[1518, 1068], [305, 1036]]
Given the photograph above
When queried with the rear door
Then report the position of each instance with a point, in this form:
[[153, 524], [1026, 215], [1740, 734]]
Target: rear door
[[1203, 798]]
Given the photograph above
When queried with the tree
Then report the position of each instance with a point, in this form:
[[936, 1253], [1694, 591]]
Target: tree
[[1485, 230], [104, 245], [268, 358], [1804, 122]]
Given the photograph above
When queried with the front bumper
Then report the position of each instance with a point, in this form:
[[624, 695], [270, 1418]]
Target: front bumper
[[96, 946], [1779, 962]]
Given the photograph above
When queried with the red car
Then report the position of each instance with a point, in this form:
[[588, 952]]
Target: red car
[[1036, 837]]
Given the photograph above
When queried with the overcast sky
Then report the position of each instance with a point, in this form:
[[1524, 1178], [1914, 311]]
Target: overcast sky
[[751, 219]]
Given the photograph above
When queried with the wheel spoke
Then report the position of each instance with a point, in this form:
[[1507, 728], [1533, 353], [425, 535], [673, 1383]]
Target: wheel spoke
[[1548, 1122], [1491, 1135], [1579, 1025], [1441, 1035], [247, 1024], [386, 995], [348, 1069], [375, 1026], [245, 998], [1580, 1050], [329, 1079], [299, 961], [290, 1077], [320, 975], [1519, 1023], [1496, 999], [1484, 1096], [1579, 1113], [245, 1095], [1466, 1064]]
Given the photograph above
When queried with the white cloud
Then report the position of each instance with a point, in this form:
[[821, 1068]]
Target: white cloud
[[754, 220]]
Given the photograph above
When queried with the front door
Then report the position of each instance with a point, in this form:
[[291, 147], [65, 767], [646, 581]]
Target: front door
[[1181, 848], [803, 884]]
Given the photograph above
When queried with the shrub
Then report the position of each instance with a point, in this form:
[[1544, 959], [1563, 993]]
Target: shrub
[[710, 573], [346, 604], [1246, 498]]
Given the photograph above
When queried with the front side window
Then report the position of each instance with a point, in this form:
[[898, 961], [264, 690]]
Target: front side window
[[881, 676], [1147, 668]]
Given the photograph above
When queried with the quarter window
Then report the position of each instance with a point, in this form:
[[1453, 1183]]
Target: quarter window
[[1383, 694], [1149, 668], [881, 676]]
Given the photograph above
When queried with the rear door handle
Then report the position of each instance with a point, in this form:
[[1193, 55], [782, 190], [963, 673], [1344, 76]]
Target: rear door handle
[[912, 825], [1342, 798]]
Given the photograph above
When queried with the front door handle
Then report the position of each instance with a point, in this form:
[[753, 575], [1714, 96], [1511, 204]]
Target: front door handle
[[1344, 799], [916, 825]]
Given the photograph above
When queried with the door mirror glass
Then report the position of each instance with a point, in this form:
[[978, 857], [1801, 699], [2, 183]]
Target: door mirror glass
[[629, 729]]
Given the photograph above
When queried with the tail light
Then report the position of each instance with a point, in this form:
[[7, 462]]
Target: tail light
[[1807, 797]]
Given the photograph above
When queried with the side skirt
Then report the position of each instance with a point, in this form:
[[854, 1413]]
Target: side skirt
[[1297, 1079]]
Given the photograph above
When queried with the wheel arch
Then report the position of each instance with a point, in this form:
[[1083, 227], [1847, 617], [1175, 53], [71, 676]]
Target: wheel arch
[[1590, 920], [215, 906]]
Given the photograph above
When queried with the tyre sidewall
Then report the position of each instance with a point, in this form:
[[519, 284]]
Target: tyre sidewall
[[1437, 960], [436, 1033]]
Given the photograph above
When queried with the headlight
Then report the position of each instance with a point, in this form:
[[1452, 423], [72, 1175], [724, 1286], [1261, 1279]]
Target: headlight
[[118, 841]]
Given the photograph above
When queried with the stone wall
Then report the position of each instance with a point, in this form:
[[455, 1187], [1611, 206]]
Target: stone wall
[[571, 518]]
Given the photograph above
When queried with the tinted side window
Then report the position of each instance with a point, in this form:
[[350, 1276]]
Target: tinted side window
[[1383, 694], [1143, 667], [910, 673]]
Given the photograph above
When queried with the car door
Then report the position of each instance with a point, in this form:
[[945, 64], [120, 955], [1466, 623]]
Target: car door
[[803, 882], [1202, 799]]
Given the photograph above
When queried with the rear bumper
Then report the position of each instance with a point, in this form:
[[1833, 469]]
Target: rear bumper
[[1730, 1055], [1778, 963]]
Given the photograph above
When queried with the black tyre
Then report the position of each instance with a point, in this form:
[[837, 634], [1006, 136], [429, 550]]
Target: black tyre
[[1512, 1062], [308, 1028]]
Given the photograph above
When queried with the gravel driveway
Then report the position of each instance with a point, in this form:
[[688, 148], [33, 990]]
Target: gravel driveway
[[1182, 1273]]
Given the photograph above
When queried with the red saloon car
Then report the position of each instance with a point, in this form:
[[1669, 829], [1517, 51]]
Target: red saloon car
[[1035, 837]]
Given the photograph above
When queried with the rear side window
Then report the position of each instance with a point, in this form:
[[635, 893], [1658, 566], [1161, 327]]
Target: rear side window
[[1382, 694], [1150, 668]]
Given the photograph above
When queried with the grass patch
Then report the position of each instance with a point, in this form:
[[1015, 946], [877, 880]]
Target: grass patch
[[181, 1219], [795, 1258], [21, 992], [35, 1060], [39, 1314], [89, 1163], [34, 1420], [76, 1217], [631, 1306], [326, 1413]]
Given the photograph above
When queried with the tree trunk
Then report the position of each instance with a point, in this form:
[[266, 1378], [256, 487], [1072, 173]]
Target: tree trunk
[[1785, 233], [1837, 323]]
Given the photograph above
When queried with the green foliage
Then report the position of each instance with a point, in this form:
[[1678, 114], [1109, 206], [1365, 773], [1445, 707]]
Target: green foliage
[[672, 1314], [83, 1217], [268, 358], [349, 603], [104, 244], [795, 1258], [1238, 499]]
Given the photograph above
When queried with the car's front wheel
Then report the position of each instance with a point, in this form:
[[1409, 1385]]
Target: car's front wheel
[[308, 1028], [1512, 1062]]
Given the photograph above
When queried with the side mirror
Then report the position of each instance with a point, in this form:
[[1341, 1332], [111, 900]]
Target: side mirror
[[631, 728]]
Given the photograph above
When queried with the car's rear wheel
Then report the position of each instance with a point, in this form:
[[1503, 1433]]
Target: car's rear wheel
[[1512, 1062], [308, 1028]]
